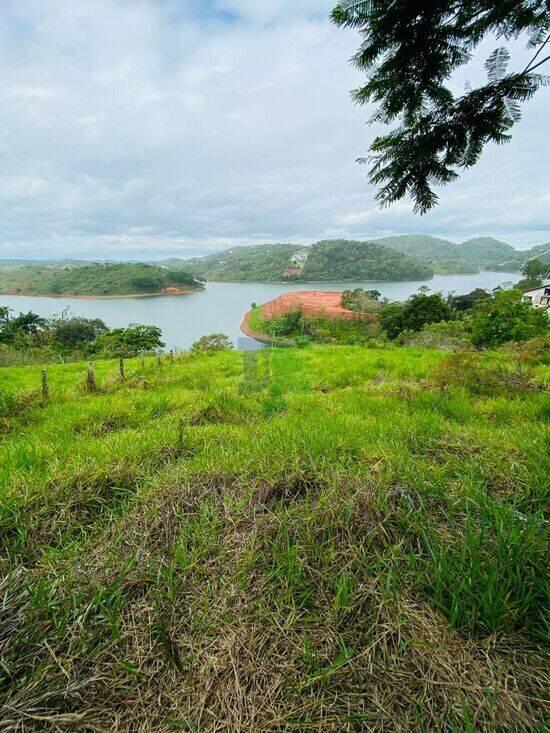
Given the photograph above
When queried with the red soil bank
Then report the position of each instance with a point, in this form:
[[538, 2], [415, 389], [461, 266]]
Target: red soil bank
[[311, 302]]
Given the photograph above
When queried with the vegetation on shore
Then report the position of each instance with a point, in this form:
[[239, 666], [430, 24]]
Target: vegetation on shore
[[478, 319], [29, 338], [332, 538], [100, 280]]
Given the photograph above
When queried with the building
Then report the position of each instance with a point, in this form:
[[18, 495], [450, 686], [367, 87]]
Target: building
[[299, 259], [538, 297]]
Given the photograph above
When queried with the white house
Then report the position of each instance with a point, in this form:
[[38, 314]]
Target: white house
[[299, 258], [538, 297]]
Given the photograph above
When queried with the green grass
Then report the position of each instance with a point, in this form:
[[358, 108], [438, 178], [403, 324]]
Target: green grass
[[324, 539]]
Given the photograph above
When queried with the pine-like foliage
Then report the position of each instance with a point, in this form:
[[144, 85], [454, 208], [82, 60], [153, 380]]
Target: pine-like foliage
[[409, 51]]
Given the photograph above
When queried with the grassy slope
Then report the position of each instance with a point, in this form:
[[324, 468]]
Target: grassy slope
[[96, 279], [309, 540]]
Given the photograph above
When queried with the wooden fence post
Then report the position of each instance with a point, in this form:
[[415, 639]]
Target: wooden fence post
[[121, 369], [44, 385], [90, 379], [171, 355], [142, 362]]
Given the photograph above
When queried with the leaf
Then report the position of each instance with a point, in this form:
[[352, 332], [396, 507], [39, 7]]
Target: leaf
[[497, 64], [352, 12]]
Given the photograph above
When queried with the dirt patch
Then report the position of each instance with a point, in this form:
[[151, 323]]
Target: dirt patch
[[317, 303]]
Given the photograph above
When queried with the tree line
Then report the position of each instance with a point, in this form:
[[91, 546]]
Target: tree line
[[66, 337]]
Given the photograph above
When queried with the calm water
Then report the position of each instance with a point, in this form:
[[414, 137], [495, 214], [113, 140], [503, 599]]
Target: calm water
[[220, 308]]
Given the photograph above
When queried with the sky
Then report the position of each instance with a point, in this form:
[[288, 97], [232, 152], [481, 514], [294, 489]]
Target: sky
[[151, 128]]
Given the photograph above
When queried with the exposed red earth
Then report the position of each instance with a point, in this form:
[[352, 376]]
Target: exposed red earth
[[311, 302], [323, 303]]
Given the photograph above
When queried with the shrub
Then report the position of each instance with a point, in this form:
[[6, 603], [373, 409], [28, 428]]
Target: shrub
[[506, 317], [128, 342], [419, 310], [446, 335], [212, 342], [483, 375]]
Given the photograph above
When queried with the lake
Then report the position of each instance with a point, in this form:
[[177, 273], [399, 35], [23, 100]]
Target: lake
[[220, 308]]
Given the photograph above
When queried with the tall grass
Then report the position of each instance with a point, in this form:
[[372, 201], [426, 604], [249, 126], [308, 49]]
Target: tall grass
[[334, 538]]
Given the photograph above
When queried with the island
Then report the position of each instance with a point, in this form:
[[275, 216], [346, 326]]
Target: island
[[120, 280]]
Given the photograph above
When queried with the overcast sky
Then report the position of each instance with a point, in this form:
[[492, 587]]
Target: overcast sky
[[146, 128]]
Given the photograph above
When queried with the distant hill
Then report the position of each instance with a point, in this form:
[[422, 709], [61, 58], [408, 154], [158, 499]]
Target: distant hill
[[480, 253], [421, 245], [349, 260], [95, 280], [486, 252], [541, 252], [328, 260]]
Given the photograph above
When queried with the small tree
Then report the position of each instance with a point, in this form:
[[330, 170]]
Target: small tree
[[76, 332], [463, 303], [506, 317], [212, 342], [419, 310], [126, 342], [534, 272]]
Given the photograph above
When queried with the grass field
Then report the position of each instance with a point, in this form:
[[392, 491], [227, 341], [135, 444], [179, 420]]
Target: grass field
[[320, 539]]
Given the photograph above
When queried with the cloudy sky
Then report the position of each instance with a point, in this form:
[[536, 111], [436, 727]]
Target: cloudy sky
[[146, 128]]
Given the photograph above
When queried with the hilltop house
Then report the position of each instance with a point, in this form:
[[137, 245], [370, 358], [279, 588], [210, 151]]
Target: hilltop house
[[299, 258], [539, 297]]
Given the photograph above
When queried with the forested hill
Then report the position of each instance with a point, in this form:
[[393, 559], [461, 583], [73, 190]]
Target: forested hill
[[256, 263], [351, 260], [340, 260], [480, 253], [95, 280]]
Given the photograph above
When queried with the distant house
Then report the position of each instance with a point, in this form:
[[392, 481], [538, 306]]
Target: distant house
[[299, 258], [538, 297]]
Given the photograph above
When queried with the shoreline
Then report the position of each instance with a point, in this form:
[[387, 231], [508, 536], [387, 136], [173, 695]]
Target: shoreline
[[103, 297], [248, 331]]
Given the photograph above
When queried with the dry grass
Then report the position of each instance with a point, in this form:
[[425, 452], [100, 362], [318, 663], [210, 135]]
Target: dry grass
[[275, 573]]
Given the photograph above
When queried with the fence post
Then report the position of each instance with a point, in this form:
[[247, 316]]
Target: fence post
[[171, 355], [90, 379], [121, 369], [142, 362], [44, 385]]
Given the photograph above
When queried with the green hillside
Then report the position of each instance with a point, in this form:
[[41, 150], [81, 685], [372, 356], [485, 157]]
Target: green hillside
[[421, 245], [486, 252], [347, 260], [94, 280], [481, 253], [328, 539], [263, 262], [328, 260]]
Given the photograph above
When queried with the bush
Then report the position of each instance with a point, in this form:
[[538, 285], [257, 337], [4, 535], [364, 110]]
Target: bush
[[76, 332], [506, 317], [419, 310], [128, 342], [447, 335], [212, 342], [483, 375]]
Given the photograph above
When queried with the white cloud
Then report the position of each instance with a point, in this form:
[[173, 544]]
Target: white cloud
[[145, 126]]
